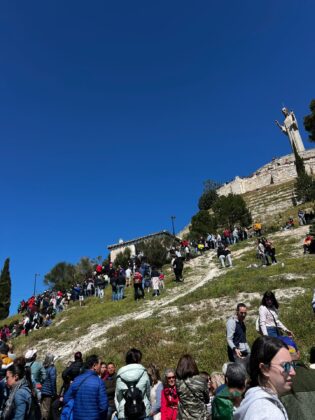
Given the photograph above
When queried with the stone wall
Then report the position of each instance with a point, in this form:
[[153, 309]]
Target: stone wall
[[278, 171]]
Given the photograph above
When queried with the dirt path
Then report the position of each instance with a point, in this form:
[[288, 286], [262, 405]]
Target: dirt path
[[94, 336], [203, 269]]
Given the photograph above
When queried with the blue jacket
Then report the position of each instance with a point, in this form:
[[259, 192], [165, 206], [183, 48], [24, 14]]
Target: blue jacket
[[50, 386], [22, 402], [90, 401]]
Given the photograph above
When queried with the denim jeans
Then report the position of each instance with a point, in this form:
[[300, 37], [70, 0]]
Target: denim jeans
[[273, 331], [120, 292]]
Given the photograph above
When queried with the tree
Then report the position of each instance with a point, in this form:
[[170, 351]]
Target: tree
[[211, 185], [207, 199], [231, 210], [309, 122], [5, 290], [304, 186], [83, 269], [156, 250], [62, 276], [123, 258], [202, 224]]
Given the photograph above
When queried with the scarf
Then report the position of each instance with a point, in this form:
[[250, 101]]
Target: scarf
[[10, 405]]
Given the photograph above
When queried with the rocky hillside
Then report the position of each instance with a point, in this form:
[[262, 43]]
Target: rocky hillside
[[189, 317]]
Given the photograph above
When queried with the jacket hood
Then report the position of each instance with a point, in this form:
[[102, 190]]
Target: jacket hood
[[254, 394], [131, 372]]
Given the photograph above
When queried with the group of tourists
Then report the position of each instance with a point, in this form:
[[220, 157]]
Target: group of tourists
[[266, 381]]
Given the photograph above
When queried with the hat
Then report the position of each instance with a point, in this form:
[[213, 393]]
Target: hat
[[30, 353], [290, 343]]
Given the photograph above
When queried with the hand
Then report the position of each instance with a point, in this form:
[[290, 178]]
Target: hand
[[290, 333], [238, 353]]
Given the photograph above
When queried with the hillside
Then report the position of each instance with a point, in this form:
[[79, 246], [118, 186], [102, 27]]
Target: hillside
[[189, 317]]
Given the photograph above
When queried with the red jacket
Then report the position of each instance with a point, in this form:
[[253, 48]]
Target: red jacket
[[169, 403]]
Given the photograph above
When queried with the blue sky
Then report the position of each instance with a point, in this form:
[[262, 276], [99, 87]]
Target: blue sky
[[112, 114]]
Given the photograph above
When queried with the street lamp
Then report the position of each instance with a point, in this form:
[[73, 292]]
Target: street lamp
[[35, 278], [173, 218]]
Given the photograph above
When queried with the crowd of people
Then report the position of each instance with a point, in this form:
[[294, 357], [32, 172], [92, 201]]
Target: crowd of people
[[262, 381]]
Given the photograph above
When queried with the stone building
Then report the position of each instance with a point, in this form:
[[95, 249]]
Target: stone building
[[278, 171], [132, 244]]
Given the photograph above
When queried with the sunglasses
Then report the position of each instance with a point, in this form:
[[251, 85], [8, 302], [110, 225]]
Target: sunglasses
[[171, 377], [287, 366]]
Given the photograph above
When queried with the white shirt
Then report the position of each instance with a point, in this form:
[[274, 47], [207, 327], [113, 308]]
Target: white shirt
[[268, 317]]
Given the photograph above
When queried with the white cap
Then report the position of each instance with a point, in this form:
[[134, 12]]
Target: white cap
[[30, 353]]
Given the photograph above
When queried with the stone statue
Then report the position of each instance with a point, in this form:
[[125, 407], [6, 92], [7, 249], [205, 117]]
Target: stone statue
[[291, 129]]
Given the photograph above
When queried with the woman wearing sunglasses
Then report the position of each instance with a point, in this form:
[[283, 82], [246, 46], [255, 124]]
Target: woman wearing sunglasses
[[271, 371], [169, 397]]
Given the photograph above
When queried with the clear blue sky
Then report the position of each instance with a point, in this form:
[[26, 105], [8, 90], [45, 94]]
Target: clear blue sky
[[112, 114]]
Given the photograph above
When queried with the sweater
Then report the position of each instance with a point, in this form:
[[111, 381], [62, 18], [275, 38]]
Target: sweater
[[260, 404]]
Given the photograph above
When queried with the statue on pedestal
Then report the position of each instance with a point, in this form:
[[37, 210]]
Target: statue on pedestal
[[291, 129]]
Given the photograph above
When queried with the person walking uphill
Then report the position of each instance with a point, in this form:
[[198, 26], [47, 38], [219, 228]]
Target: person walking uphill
[[132, 396], [89, 393]]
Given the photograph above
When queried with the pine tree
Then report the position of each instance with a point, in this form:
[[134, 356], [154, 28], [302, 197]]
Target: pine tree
[[5, 290], [309, 122], [304, 186]]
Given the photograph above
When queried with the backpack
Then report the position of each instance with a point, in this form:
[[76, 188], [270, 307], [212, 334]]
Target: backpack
[[134, 405], [34, 412]]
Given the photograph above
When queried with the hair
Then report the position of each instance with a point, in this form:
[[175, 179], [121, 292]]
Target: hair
[[312, 355], [18, 368], [133, 356], [217, 379], [10, 346], [269, 295], [240, 305], [164, 378], [204, 374], [186, 367], [103, 363], [111, 363], [78, 355], [154, 373], [264, 350], [235, 376], [49, 360], [91, 361]]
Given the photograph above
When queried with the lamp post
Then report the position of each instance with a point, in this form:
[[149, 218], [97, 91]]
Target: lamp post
[[173, 225], [35, 278]]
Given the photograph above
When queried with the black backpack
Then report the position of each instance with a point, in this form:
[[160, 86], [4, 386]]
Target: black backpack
[[134, 405], [34, 412]]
